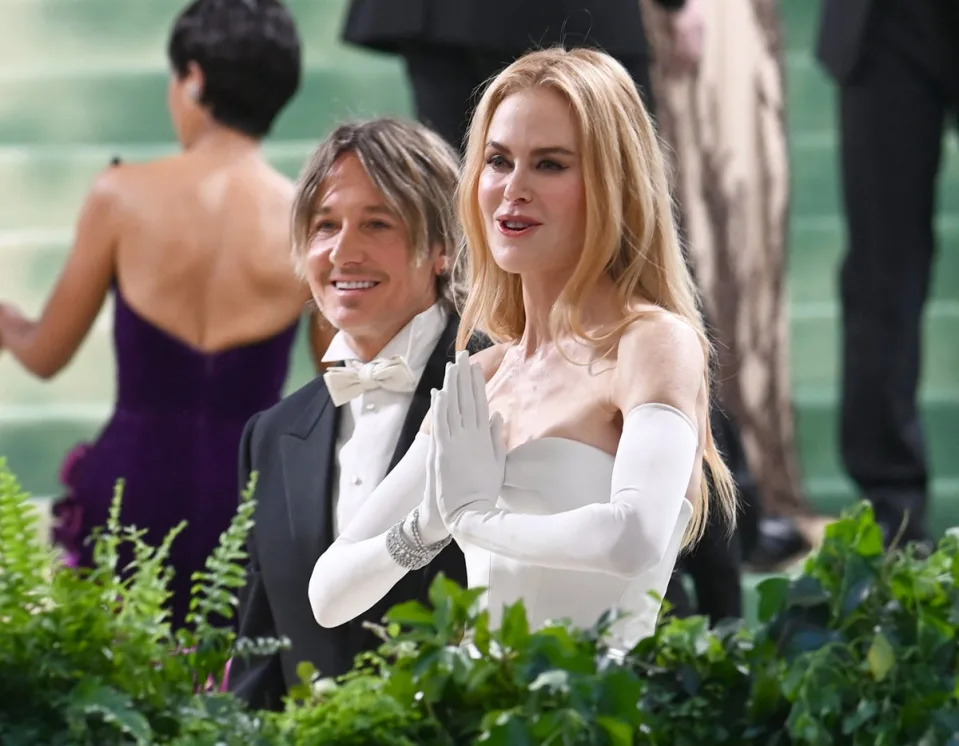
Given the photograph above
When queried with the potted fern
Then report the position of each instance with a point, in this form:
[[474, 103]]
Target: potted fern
[[90, 657]]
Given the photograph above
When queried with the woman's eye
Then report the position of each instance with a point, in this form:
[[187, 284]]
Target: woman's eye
[[548, 165], [496, 161]]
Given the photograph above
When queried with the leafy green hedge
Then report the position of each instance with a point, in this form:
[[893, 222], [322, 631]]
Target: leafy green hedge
[[861, 648]]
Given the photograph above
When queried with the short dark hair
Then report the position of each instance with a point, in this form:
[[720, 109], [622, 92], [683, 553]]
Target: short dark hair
[[249, 51]]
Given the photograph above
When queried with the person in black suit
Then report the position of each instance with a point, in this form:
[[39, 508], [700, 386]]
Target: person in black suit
[[897, 69], [451, 48], [375, 247]]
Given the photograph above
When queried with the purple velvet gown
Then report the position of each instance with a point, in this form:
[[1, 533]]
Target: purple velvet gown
[[173, 438]]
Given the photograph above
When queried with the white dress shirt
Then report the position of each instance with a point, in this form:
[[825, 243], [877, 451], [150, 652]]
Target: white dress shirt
[[370, 424]]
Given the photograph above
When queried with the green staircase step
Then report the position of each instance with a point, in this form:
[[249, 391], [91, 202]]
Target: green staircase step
[[818, 424], [799, 19], [101, 104], [816, 247], [810, 96], [815, 177], [832, 495], [131, 107], [34, 450], [92, 32], [108, 33], [815, 345]]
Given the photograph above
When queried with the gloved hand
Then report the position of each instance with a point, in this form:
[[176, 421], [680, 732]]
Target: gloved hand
[[430, 518], [470, 455]]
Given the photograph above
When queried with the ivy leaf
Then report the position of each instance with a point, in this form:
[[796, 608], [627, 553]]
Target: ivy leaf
[[881, 657], [507, 730], [807, 591], [858, 582], [515, 628], [865, 712], [411, 614], [620, 733], [772, 596], [90, 697]]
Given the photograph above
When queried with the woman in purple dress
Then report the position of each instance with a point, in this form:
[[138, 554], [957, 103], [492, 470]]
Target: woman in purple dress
[[195, 251]]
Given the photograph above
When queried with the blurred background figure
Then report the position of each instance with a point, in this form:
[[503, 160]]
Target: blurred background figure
[[451, 50], [726, 124], [896, 65], [194, 249]]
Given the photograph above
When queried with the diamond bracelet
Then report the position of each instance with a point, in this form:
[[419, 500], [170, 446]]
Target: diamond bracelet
[[412, 554]]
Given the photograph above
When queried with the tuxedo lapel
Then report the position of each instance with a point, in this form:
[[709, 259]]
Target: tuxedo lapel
[[432, 378], [307, 451]]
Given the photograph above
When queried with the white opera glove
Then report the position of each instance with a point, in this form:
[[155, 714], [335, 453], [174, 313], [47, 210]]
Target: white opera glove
[[626, 531], [470, 456], [427, 516], [357, 570]]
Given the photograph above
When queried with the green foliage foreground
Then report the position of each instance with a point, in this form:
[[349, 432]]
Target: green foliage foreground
[[860, 648]]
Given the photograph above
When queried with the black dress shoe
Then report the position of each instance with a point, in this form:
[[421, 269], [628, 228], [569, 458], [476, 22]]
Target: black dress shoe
[[779, 542]]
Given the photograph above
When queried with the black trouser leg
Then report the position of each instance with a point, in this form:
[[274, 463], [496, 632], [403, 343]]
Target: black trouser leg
[[891, 122], [714, 564], [447, 83]]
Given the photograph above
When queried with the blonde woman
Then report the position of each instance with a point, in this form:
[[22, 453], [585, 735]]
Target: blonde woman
[[579, 491]]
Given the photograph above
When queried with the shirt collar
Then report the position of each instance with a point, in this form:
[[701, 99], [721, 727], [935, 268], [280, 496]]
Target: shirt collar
[[415, 341]]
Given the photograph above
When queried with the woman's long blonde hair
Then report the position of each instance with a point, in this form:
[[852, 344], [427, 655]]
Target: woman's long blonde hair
[[630, 232]]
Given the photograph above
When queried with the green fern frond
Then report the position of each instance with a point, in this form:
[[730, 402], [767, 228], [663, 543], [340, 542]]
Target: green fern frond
[[147, 588], [106, 550], [25, 563], [213, 593]]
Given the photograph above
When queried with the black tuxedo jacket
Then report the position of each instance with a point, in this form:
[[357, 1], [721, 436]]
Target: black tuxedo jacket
[[923, 32], [511, 26], [291, 446], [842, 31]]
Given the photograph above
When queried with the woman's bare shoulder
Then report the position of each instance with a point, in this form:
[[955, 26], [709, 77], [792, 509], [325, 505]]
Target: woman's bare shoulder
[[133, 182], [662, 357]]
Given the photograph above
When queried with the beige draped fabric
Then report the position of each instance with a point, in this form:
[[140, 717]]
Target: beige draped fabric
[[726, 125]]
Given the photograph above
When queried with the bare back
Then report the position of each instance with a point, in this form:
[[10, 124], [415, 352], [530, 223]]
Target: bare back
[[203, 248]]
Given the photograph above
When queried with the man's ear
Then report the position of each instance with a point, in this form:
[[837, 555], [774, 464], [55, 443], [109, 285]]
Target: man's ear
[[441, 262]]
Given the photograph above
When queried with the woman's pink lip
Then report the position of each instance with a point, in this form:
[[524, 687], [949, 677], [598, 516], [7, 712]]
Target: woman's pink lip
[[517, 219], [501, 227]]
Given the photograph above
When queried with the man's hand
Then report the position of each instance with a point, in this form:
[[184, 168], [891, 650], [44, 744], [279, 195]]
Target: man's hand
[[687, 34]]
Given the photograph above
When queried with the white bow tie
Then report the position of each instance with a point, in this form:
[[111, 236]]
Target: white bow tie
[[348, 382]]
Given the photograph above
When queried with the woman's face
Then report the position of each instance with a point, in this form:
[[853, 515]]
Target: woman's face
[[531, 191]]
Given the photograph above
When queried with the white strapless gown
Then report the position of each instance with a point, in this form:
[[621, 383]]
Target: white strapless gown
[[551, 475]]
